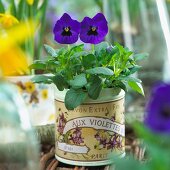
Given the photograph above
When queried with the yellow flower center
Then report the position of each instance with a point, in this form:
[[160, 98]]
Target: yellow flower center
[[30, 87], [93, 29], [67, 29], [44, 94]]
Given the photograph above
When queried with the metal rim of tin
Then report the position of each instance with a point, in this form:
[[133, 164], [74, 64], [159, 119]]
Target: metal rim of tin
[[88, 163], [106, 95]]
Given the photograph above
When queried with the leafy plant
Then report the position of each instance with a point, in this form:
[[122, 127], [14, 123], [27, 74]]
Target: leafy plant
[[85, 73]]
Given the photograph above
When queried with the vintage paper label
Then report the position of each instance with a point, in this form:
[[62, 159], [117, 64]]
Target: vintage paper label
[[90, 132], [96, 123]]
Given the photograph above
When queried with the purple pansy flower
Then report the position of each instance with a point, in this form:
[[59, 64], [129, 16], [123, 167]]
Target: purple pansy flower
[[93, 30], [158, 110], [66, 30]]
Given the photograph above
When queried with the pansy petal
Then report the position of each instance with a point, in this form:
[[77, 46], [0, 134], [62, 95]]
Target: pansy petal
[[99, 23], [75, 26], [65, 18], [85, 24], [66, 39], [66, 30], [158, 110], [57, 27], [99, 18], [91, 39]]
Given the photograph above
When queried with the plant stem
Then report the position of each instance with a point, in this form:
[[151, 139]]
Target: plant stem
[[40, 37], [68, 46], [92, 48], [31, 40]]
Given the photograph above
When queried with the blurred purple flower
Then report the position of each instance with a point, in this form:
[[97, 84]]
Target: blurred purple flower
[[93, 30], [51, 18], [158, 110], [66, 30]]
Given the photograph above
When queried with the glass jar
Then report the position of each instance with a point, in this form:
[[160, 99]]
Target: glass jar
[[18, 146]]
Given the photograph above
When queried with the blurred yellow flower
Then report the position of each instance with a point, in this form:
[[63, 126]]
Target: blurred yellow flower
[[7, 21], [30, 2], [16, 35], [13, 60], [51, 117], [30, 87], [44, 94]]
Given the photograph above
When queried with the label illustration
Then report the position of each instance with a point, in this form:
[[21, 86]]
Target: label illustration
[[91, 131]]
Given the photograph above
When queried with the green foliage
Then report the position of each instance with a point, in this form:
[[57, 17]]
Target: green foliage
[[136, 87], [94, 87], [158, 152], [141, 56], [42, 79], [79, 81], [100, 70], [85, 73], [78, 96], [2, 9], [50, 50]]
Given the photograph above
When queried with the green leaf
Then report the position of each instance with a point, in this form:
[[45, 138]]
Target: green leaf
[[41, 79], [113, 50], [128, 78], [38, 65], [100, 70], [88, 61], [94, 87], [120, 47], [2, 9], [79, 54], [127, 163], [79, 81], [60, 51], [122, 85], [74, 98], [13, 8], [134, 69], [21, 10], [50, 50], [145, 133], [59, 81], [141, 56], [136, 87], [102, 46], [35, 7], [77, 48]]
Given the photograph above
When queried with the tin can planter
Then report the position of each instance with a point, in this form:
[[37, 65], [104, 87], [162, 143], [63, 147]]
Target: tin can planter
[[87, 135], [39, 99]]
